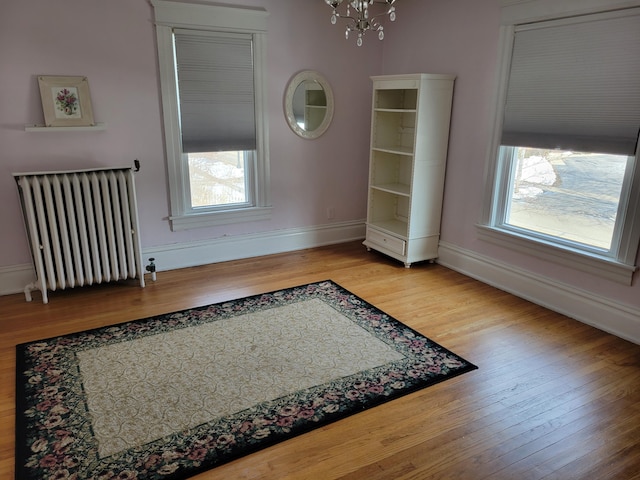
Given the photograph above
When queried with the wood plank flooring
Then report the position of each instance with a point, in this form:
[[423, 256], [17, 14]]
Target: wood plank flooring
[[552, 398]]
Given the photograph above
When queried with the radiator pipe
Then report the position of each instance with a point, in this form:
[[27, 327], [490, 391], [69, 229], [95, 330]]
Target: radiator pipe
[[151, 268]]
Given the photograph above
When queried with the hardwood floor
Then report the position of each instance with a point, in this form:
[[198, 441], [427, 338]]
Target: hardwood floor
[[552, 398]]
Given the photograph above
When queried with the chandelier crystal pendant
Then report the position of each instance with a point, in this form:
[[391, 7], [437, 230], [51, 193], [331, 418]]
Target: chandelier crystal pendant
[[360, 19]]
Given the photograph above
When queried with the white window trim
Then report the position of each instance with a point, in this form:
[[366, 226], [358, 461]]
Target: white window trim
[[620, 270], [174, 14], [516, 12]]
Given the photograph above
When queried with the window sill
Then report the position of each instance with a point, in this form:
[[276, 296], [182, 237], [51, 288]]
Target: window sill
[[593, 264], [212, 219]]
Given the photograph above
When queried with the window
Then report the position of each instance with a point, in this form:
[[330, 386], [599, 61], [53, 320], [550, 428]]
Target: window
[[573, 197], [566, 184], [214, 105]]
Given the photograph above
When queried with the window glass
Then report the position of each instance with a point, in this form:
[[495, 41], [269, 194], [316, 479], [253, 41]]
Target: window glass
[[572, 196], [218, 179]]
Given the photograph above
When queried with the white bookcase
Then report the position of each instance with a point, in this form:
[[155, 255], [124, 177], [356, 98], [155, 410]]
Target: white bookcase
[[409, 140]]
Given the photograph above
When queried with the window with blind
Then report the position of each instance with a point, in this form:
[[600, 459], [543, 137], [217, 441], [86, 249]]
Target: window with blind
[[566, 182], [217, 116], [211, 71]]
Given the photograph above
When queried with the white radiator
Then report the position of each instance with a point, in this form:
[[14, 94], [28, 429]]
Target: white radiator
[[82, 227]]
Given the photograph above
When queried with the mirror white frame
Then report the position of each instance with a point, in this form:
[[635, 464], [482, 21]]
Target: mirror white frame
[[305, 83]]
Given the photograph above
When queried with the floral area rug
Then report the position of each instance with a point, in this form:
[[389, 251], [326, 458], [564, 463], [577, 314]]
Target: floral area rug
[[170, 396]]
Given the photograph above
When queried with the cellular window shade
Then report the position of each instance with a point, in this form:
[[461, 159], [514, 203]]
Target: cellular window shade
[[216, 91], [575, 85]]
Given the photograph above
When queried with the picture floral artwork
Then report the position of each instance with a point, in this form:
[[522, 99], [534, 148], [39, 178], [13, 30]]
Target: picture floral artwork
[[66, 101], [67, 105]]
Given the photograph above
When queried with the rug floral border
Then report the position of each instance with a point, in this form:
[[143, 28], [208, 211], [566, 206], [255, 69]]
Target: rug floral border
[[53, 427]]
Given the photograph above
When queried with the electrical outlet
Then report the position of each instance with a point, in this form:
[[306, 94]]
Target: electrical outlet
[[331, 213]]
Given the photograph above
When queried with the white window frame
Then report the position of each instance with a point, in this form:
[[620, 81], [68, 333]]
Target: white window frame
[[199, 16], [618, 267]]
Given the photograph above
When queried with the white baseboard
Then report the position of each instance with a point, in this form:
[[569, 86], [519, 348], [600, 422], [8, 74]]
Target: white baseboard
[[169, 257], [598, 311], [14, 278]]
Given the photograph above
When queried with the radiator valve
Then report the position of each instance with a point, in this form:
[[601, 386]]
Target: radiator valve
[[151, 268]]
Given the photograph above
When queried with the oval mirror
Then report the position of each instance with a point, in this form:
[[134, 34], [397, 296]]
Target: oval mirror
[[308, 104]]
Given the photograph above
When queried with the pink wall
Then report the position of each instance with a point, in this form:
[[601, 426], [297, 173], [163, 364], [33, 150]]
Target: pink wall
[[461, 37], [113, 44]]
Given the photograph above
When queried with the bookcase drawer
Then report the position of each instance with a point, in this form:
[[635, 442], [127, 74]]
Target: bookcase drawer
[[389, 242]]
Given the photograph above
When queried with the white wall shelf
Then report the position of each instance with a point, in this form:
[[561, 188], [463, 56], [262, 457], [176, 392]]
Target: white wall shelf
[[43, 128]]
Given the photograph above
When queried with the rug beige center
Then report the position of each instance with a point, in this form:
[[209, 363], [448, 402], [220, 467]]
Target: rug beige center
[[142, 390]]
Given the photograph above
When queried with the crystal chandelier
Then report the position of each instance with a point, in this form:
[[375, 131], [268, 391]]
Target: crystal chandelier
[[359, 18]]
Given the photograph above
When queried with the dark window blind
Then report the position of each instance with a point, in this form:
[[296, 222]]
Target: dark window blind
[[574, 84], [216, 91]]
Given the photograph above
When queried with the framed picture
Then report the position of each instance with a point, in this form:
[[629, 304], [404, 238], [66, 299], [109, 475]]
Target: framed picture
[[65, 101]]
